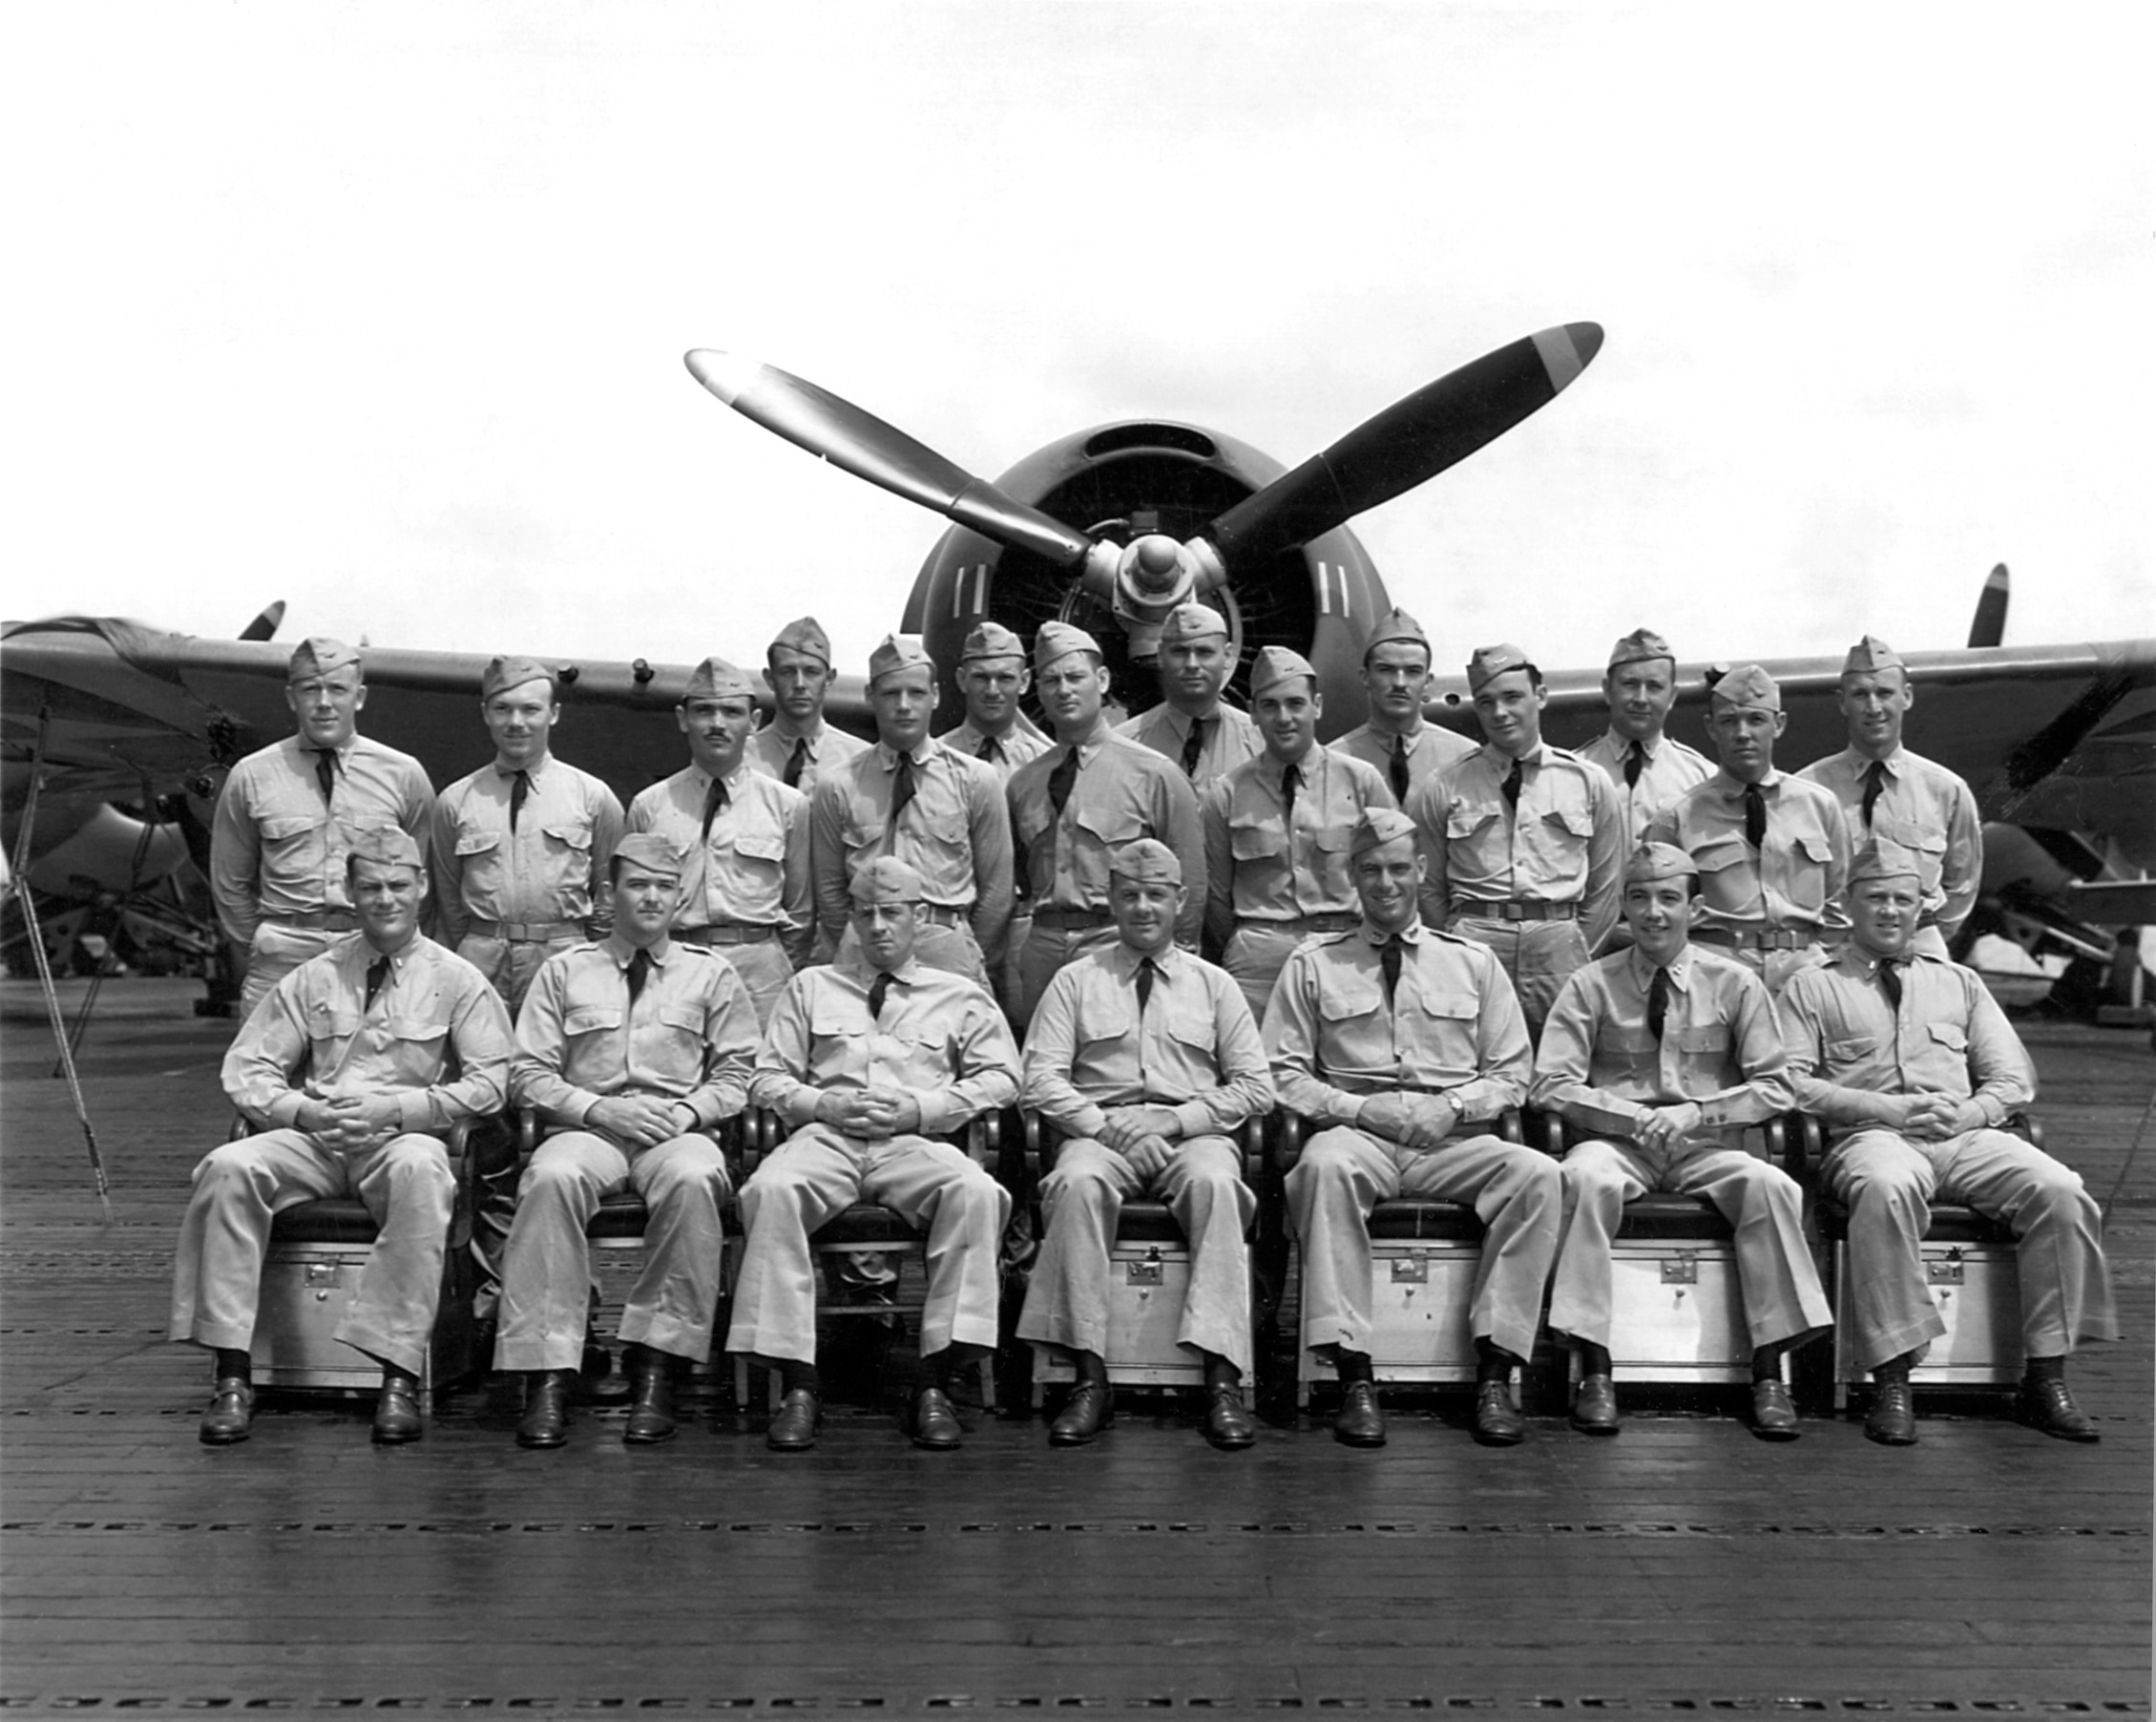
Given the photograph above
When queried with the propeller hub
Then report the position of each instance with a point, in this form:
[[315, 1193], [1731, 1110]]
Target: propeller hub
[[1156, 565]]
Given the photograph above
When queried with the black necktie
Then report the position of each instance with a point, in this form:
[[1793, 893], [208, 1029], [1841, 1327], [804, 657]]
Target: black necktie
[[1290, 778], [377, 977], [991, 749], [901, 786], [519, 791], [639, 972], [1874, 782], [1193, 745], [326, 772], [796, 762], [878, 990], [1635, 762], [1061, 780], [1398, 771], [1510, 786], [1658, 1003], [1389, 961], [1890, 982], [1146, 970], [714, 803], [1755, 817]]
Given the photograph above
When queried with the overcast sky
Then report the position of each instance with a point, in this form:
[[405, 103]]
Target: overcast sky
[[380, 309]]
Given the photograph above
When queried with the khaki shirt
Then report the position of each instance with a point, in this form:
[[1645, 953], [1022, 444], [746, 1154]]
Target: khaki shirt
[[1230, 738], [316, 1037], [551, 869], [1430, 750], [1257, 869], [690, 1035], [941, 1038], [1796, 881], [1600, 1066], [1929, 811], [1454, 1027], [277, 849], [753, 870], [1194, 1049], [1563, 844], [1124, 790], [1668, 769], [1847, 1046], [770, 747], [1023, 741]]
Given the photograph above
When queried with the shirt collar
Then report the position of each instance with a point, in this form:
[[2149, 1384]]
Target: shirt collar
[[536, 771], [624, 953], [1644, 966], [886, 756], [1500, 762], [306, 749], [1272, 769], [1730, 789], [1126, 960], [813, 735], [1375, 936]]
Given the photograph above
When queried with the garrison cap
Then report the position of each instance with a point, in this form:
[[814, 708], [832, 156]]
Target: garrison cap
[[1882, 859], [1378, 826], [1193, 621], [1750, 686], [1148, 861], [1492, 661], [1872, 653], [1276, 664], [317, 655], [898, 652], [1396, 625], [1639, 646], [649, 850], [715, 678], [505, 673], [992, 639], [1059, 640], [1652, 861], [887, 879], [806, 637], [390, 845]]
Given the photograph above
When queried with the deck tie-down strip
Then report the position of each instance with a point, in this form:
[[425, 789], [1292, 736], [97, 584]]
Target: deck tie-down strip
[[528, 1703]]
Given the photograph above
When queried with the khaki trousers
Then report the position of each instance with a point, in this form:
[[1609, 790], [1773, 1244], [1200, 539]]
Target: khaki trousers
[[1539, 958], [1047, 949], [277, 951], [1254, 956]]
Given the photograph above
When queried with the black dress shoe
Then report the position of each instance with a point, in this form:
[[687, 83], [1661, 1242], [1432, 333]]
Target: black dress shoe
[[1227, 1423], [1498, 1422], [545, 1422], [2046, 1403], [1773, 1413], [1360, 1423], [396, 1413], [231, 1412], [1893, 1422], [793, 1425], [1090, 1409], [935, 1423], [651, 1402], [1594, 1406]]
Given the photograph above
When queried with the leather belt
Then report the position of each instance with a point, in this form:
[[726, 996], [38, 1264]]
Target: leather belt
[[319, 921], [1516, 909], [729, 935], [946, 918], [1072, 918], [529, 933], [1760, 938], [1340, 922]]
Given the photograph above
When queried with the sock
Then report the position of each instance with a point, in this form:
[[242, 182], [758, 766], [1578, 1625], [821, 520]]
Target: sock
[[231, 1362], [1353, 1366], [1493, 1363], [1090, 1367], [2047, 1369], [939, 1367], [1220, 1373], [1594, 1360], [1767, 1363], [794, 1373], [1894, 1368]]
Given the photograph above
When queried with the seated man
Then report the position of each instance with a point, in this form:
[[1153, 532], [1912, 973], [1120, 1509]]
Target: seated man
[[631, 1050], [1663, 1054], [1387, 1041], [865, 1059], [349, 1060], [1148, 1059], [1916, 1066]]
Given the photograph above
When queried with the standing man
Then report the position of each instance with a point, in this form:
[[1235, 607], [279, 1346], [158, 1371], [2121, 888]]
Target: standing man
[[286, 816], [1397, 676], [1911, 1060], [1400, 1045], [1893, 795], [1074, 807], [865, 1060], [1773, 850], [1660, 1055], [632, 1050], [1277, 830], [356, 1067], [1648, 768], [1192, 725], [1523, 841], [940, 811], [743, 836], [796, 747], [1148, 1059]]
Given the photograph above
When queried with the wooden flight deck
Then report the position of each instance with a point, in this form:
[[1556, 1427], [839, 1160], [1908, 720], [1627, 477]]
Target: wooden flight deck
[[1683, 1568]]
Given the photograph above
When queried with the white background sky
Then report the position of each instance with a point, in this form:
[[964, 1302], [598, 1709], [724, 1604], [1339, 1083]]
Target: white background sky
[[380, 309]]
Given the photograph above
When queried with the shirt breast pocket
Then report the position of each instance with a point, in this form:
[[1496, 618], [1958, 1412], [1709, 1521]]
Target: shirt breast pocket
[[571, 839], [1104, 1019], [591, 1019], [287, 833], [1808, 888], [683, 1025], [1949, 1034], [1628, 1048], [1708, 1037], [477, 843], [1259, 840], [1445, 1031], [419, 1043], [1349, 996], [1852, 1049]]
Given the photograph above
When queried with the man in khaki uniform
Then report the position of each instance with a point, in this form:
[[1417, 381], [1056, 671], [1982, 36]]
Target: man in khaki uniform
[[1396, 676], [1074, 807], [1916, 1067], [1660, 1055], [1399, 1045], [743, 836], [1148, 1058], [1522, 841], [1648, 768], [1192, 724], [345, 1068], [865, 1060], [1277, 830], [796, 747], [632, 1050], [287, 813], [1773, 850], [1895, 796]]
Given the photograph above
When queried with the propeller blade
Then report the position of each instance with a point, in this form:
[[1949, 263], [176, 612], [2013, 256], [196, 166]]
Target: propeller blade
[[266, 625], [863, 445], [1988, 626], [1413, 439]]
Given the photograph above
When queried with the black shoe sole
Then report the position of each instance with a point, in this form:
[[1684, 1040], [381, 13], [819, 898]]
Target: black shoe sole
[[221, 1440], [1597, 1428], [1060, 1437], [1347, 1439], [1231, 1443], [647, 1437], [540, 1443], [395, 1438], [1886, 1439]]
